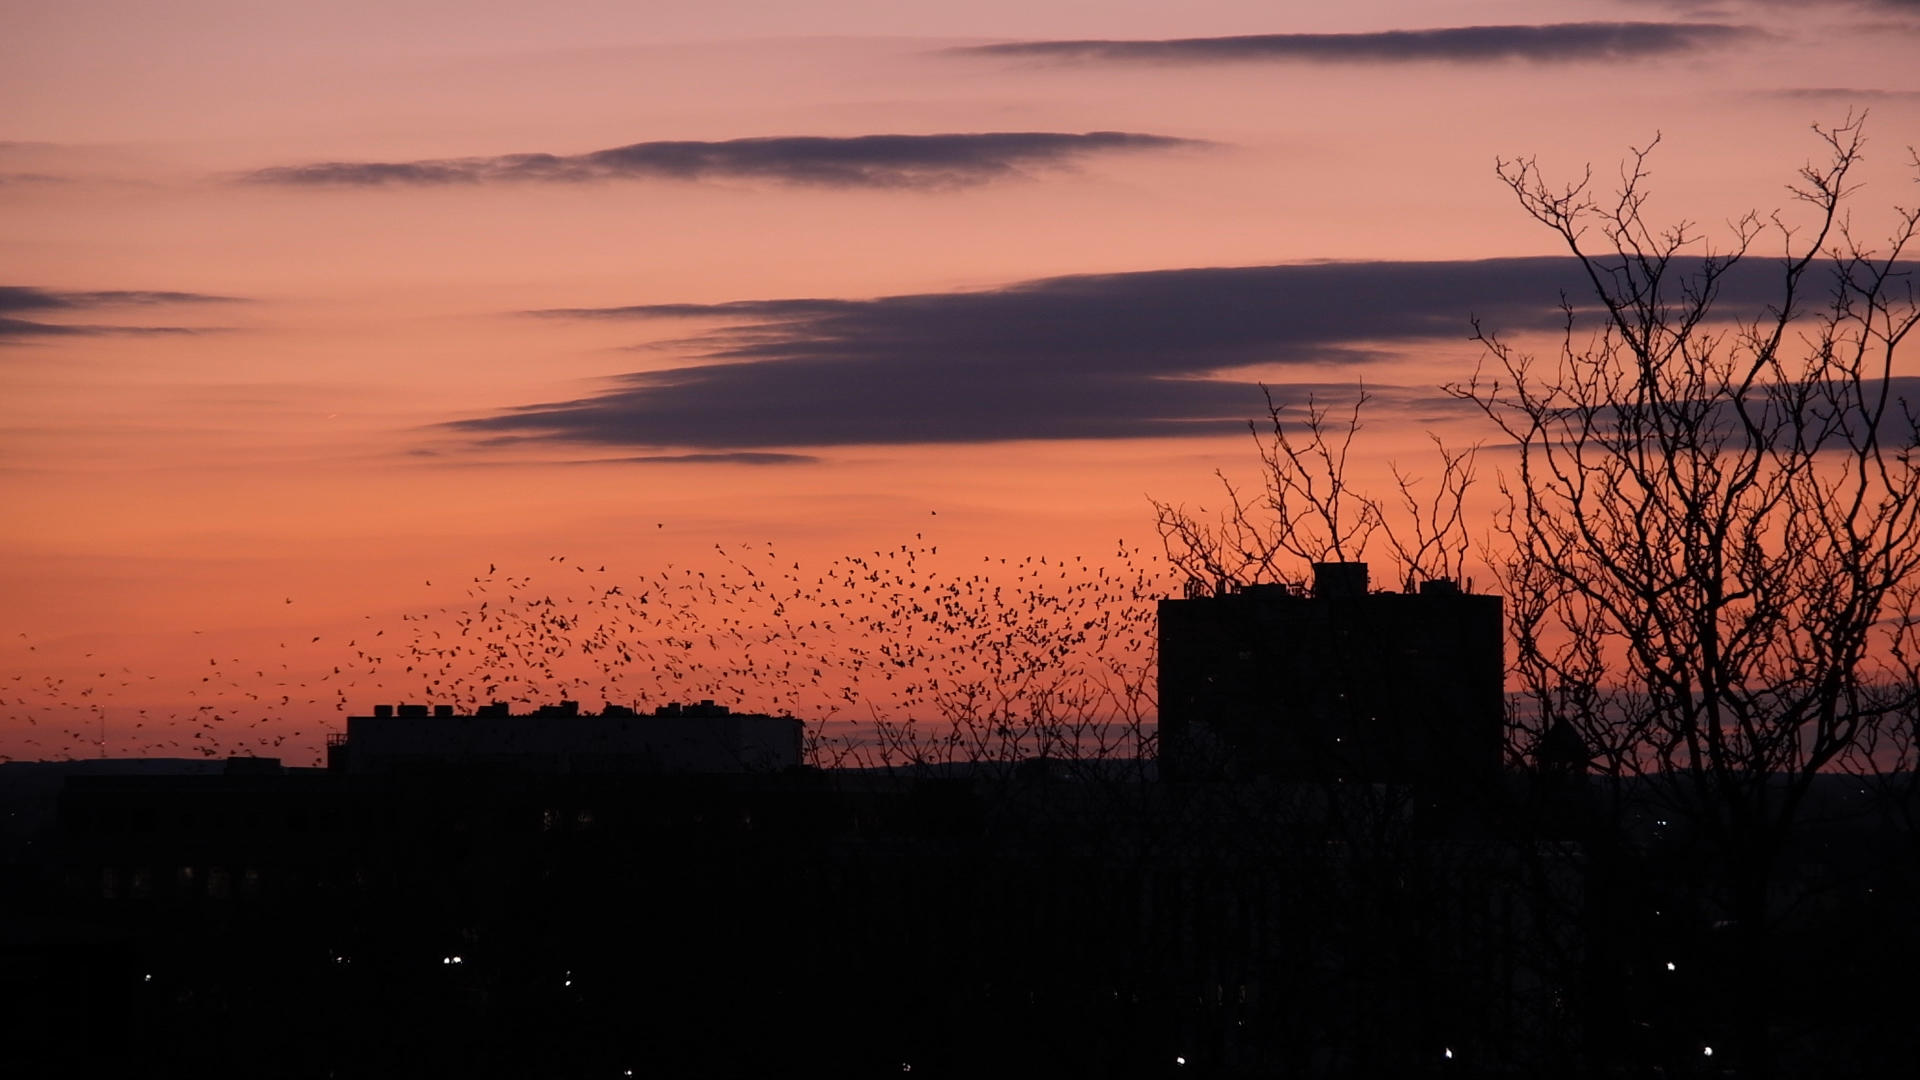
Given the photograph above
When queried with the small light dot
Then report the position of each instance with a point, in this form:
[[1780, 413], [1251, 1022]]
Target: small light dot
[[1179, 1061], [1670, 965], [1709, 1051]]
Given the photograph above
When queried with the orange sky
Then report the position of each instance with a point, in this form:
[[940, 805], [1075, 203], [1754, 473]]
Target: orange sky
[[320, 416]]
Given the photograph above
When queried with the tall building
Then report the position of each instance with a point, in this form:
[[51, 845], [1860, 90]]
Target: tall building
[[1339, 684]]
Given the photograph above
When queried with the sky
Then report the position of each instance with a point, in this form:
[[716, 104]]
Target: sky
[[320, 323]]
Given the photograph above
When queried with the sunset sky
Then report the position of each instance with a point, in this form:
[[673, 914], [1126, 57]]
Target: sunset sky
[[312, 313]]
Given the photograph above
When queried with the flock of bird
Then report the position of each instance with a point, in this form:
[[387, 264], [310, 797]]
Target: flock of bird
[[891, 653]]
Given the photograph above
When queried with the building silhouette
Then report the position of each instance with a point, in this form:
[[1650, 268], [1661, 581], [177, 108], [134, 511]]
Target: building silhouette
[[1337, 684], [558, 893], [674, 738]]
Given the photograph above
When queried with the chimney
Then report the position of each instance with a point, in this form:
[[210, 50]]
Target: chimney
[[1339, 579]]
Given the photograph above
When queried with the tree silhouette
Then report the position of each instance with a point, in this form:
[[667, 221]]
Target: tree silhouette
[[1709, 550], [1711, 543], [1308, 511]]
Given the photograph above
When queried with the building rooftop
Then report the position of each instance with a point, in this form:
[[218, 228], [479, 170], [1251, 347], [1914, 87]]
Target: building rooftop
[[702, 737]]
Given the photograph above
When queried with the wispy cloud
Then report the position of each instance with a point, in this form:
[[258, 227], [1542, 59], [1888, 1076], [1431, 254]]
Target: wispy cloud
[[1556, 42], [884, 161], [741, 457], [1841, 94], [1096, 356], [1719, 8], [16, 300], [29, 298]]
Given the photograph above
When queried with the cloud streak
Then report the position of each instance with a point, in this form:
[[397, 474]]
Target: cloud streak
[[1093, 356], [17, 300], [1843, 94], [1557, 42], [863, 161], [738, 457]]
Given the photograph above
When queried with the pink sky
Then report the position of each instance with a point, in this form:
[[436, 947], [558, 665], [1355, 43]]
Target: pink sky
[[167, 494]]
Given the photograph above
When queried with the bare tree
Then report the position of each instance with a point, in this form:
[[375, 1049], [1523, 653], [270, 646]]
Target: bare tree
[[1308, 511], [1713, 525]]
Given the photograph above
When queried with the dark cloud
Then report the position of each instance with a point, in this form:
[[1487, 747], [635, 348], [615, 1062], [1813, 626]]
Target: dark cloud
[[859, 161], [15, 330], [1554, 42], [25, 299], [1096, 356], [28, 298], [24, 328]]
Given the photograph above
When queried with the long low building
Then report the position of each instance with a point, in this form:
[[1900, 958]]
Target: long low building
[[702, 738]]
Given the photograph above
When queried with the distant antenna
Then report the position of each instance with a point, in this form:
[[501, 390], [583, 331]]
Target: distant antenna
[[103, 733]]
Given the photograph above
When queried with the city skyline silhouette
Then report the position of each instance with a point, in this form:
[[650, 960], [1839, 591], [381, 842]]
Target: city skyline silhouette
[[1016, 539]]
